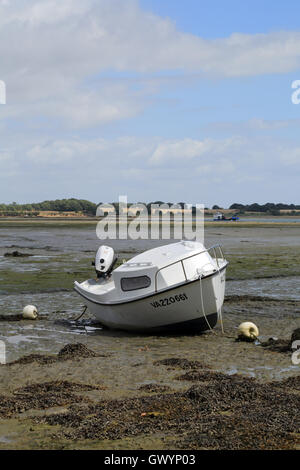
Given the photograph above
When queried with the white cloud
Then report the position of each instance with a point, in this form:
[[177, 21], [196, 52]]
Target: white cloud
[[49, 51], [290, 156], [255, 124], [104, 168], [5, 155], [179, 149], [76, 65], [85, 109], [116, 153], [170, 152], [136, 156]]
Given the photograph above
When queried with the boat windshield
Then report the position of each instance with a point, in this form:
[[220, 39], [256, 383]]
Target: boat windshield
[[135, 283]]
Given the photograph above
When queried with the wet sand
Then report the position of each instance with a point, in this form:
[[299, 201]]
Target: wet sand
[[113, 390], [89, 400], [125, 391]]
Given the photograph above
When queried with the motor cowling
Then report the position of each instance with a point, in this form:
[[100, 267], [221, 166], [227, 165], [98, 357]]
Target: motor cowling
[[104, 260]]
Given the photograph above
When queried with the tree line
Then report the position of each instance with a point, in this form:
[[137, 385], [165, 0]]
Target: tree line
[[268, 208], [89, 208], [58, 205]]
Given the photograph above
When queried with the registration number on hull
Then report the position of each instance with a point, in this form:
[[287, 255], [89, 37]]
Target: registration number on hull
[[169, 300]]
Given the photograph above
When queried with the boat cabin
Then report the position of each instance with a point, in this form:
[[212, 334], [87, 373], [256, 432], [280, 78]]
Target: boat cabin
[[155, 270]]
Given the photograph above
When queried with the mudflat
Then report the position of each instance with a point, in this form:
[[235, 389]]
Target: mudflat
[[73, 385]]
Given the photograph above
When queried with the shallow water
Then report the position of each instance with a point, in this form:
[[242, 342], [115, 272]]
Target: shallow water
[[61, 255], [287, 288]]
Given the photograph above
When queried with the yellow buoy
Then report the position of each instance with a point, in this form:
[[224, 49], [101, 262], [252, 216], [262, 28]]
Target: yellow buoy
[[30, 312], [248, 331]]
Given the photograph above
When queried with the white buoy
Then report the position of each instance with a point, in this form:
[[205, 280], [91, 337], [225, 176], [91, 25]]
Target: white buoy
[[30, 312], [248, 331]]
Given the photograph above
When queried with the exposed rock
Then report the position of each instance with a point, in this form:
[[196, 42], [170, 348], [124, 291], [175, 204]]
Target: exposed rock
[[182, 363], [150, 388], [17, 254], [282, 345]]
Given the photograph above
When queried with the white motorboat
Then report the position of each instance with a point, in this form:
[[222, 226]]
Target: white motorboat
[[219, 216], [177, 286]]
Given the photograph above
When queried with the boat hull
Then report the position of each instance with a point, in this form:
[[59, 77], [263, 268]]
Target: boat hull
[[190, 306]]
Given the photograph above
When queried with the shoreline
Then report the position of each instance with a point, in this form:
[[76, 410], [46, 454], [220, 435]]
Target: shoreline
[[77, 222]]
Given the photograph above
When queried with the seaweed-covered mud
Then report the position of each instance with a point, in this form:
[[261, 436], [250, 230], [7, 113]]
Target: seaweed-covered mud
[[71, 384], [113, 390], [69, 352], [208, 410]]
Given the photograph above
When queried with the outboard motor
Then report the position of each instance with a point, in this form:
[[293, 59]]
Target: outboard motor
[[104, 261]]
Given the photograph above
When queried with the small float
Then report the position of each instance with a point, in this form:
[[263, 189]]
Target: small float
[[172, 287]]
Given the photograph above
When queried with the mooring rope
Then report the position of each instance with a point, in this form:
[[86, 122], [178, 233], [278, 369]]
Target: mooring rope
[[202, 305], [81, 315], [220, 316], [221, 320]]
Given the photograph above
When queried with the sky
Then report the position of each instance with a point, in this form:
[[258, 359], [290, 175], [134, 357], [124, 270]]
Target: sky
[[154, 99]]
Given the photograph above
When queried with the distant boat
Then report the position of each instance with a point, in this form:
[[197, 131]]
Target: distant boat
[[221, 216], [176, 286]]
